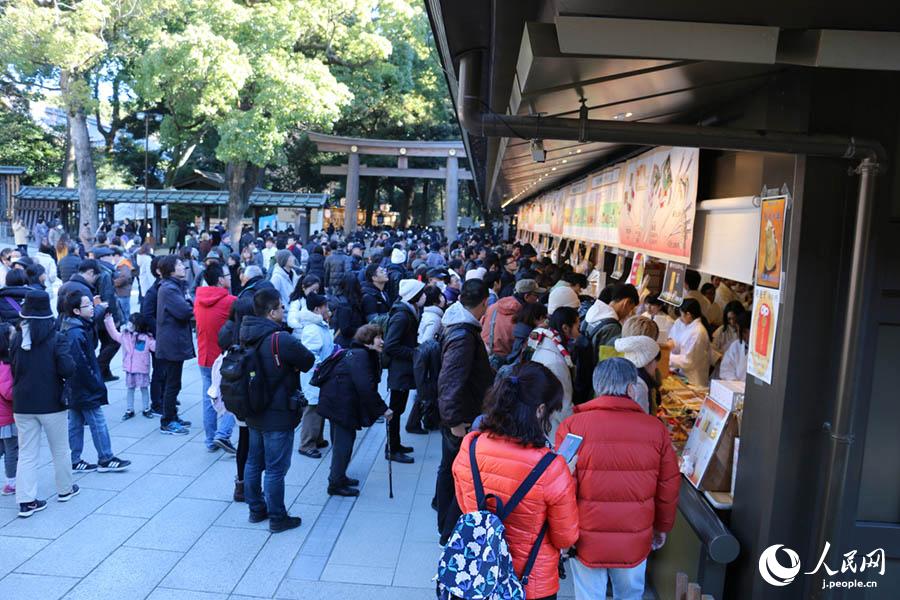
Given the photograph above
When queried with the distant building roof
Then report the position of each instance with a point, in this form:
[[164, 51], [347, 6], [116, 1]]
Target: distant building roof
[[11, 170], [261, 198]]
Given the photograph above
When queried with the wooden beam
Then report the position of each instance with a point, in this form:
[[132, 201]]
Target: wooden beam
[[331, 143], [365, 171]]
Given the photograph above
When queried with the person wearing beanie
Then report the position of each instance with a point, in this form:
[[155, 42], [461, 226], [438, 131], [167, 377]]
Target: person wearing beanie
[[40, 362], [476, 273], [396, 271], [400, 343], [562, 296], [643, 352]]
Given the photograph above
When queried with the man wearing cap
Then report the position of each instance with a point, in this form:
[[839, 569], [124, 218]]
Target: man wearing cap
[[497, 323], [400, 341], [107, 259]]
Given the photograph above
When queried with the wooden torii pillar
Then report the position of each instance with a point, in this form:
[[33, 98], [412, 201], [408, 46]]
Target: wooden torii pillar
[[403, 150]]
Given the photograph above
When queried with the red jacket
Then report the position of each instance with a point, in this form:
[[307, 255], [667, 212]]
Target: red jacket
[[211, 309], [505, 309], [504, 464], [628, 481], [6, 397]]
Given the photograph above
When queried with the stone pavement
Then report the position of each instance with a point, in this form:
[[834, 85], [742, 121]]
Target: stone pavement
[[167, 529]]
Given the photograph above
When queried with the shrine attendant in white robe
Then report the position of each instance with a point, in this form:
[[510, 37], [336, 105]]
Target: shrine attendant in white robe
[[734, 362], [691, 353]]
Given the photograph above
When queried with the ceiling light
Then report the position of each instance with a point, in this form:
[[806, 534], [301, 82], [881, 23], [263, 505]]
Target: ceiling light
[[628, 114], [565, 160], [538, 154], [578, 151], [553, 169]]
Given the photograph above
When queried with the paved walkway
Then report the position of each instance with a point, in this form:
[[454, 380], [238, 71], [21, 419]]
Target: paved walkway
[[167, 529]]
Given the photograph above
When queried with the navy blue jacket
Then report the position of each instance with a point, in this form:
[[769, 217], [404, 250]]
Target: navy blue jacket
[[148, 305], [85, 388], [173, 322]]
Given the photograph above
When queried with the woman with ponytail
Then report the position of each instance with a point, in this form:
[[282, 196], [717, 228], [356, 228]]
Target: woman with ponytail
[[511, 442]]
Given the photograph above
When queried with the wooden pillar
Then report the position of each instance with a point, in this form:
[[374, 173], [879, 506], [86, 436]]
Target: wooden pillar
[[451, 206], [351, 206], [309, 226], [206, 217]]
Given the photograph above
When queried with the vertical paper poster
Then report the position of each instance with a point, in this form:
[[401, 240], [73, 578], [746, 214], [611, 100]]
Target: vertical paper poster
[[605, 198], [762, 332], [673, 284], [636, 276], [703, 439], [771, 242], [659, 202]]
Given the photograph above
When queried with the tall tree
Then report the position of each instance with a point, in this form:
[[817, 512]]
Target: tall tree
[[62, 47]]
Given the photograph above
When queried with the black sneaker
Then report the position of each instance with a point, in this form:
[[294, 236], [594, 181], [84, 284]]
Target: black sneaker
[[26, 509], [310, 453], [225, 445], [129, 414], [284, 524], [114, 465], [183, 423], [257, 517], [399, 457], [346, 491], [151, 414], [69, 496], [322, 444], [82, 466]]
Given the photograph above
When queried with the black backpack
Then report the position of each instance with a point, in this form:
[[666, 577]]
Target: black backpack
[[427, 368], [325, 368], [242, 388]]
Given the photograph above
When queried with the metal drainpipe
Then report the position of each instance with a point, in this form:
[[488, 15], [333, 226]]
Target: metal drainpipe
[[840, 427]]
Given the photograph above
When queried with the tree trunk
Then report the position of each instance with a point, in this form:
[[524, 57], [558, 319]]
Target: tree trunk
[[408, 187], [370, 198], [81, 143], [67, 175], [241, 177]]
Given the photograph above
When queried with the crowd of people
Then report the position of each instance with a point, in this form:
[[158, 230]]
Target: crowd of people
[[480, 339]]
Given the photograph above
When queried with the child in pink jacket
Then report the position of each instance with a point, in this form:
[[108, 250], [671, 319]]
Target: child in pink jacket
[[9, 439], [137, 344]]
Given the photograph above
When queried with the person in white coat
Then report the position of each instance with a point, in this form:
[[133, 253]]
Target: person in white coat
[[315, 335], [734, 363], [283, 275], [430, 326], [692, 352], [310, 284], [550, 349], [656, 310]]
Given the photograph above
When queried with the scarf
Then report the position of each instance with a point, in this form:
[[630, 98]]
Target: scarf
[[539, 334]]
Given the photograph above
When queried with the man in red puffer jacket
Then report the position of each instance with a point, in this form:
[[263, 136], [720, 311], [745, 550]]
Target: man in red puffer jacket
[[628, 484]]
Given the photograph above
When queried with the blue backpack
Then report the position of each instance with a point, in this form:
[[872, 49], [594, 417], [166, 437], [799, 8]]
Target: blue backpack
[[476, 563]]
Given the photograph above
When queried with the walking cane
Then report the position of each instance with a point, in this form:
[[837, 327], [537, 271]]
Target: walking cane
[[387, 426]]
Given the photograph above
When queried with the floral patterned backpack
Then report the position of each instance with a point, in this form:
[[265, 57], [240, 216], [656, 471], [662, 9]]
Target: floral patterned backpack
[[476, 563]]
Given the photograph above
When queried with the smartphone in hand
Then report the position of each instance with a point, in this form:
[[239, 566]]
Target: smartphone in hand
[[569, 446]]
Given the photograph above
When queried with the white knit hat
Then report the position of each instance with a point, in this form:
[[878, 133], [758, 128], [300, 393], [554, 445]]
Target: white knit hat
[[409, 288], [477, 273], [398, 256], [562, 296], [639, 349]]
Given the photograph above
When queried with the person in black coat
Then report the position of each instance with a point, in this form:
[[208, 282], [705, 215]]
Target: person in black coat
[[346, 310], [375, 302], [148, 312], [84, 392], [280, 359], [68, 264], [349, 399], [83, 281], [107, 292], [252, 280], [40, 361], [400, 343], [316, 264], [174, 342]]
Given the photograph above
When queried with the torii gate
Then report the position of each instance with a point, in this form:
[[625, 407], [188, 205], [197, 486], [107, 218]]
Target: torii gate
[[354, 147]]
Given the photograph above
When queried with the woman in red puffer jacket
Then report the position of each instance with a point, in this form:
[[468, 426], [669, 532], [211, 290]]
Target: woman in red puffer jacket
[[511, 442]]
